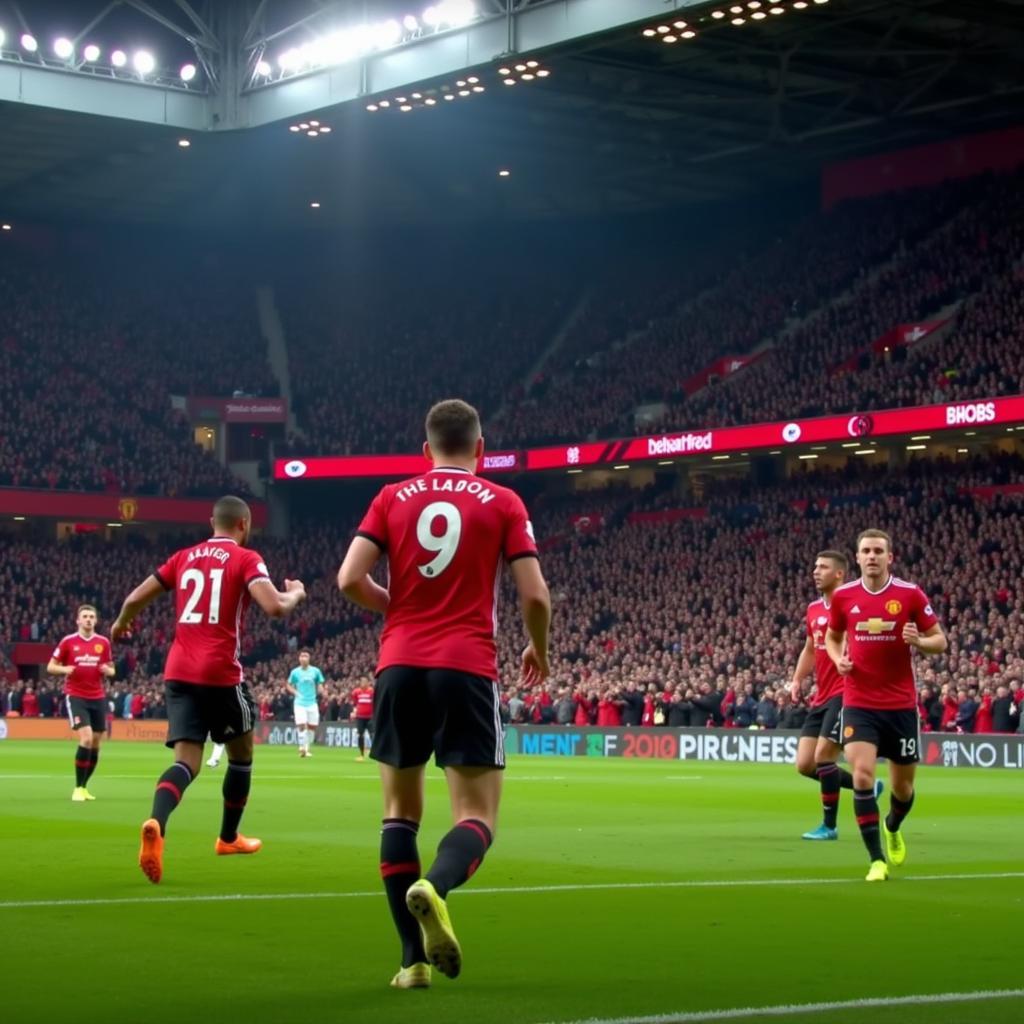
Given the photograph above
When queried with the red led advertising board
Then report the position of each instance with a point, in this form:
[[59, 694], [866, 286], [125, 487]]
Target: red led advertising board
[[680, 444]]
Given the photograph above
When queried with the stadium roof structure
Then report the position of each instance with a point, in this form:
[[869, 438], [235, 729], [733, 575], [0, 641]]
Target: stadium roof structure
[[634, 113]]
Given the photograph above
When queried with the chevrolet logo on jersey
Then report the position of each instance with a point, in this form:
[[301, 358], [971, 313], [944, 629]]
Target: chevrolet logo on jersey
[[875, 626]]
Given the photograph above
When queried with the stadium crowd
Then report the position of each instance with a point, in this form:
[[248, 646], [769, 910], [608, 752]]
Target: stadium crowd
[[679, 618], [92, 357]]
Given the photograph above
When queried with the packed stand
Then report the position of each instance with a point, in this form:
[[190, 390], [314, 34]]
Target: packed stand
[[366, 362], [94, 357], [684, 622], [975, 259], [758, 291]]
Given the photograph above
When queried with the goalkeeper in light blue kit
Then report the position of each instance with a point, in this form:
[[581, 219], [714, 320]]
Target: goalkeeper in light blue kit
[[304, 684]]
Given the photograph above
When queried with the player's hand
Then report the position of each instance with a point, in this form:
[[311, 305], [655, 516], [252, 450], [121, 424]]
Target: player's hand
[[911, 635], [295, 586], [120, 630], [844, 666], [535, 668], [795, 691]]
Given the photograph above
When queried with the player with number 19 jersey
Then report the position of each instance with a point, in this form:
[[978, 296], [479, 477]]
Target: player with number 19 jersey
[[447, 534], [211, 583]]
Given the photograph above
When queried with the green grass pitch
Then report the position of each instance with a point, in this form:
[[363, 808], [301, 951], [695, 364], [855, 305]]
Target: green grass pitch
[[632, 889]]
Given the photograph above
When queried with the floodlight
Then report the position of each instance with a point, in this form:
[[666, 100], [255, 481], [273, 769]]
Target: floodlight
[[410, 23], [63, 48], [143, 62], [91, 52], [119, 58], [456, 12], [28, 42], [188, 72]]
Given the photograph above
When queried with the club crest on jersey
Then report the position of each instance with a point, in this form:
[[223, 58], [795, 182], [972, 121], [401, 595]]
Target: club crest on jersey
[[876, 626], [822, 620], [893, 607], [98, 648]]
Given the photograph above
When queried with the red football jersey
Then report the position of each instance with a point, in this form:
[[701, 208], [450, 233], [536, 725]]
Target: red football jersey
[[211, 583], [883, 675], [87, 655], [446, 534], [830, 682], [362, 698]]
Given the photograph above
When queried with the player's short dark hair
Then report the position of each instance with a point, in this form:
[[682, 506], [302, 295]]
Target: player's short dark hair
[[227, 511], [305, 650], [874, 533], [837, 557], [453, 427], [86, 608]]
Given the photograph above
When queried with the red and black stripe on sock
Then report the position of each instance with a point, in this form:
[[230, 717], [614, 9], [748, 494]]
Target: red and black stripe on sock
[[898, 810], [399, 868], [237, 780], [82, 765], [94, 757], [169, 790], [865, 807], [459, 855], [828, 776]]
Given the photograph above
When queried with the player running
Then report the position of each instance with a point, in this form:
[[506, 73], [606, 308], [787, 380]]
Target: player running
[[84, 660], [446, 534], [362, 714], [304, 683], [214, 582], [817, 752], [874, 623]]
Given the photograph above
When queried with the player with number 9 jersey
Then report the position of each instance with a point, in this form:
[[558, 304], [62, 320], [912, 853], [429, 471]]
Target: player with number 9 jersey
[[447, 534], [211, 583]]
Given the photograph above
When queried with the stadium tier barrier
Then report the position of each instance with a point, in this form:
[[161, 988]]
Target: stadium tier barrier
[[774, 746]]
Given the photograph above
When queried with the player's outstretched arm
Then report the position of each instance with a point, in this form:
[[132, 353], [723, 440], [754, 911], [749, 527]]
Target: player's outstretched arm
[[278, 603], [355, 581], [144, 594], [535, 604]]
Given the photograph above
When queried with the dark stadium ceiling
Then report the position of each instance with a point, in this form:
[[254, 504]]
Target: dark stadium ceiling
[[623, 124]]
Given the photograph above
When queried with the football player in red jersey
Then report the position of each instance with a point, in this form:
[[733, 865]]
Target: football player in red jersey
[[84, 660], [446, 535], [817, 752], [213, 582], [362, 701], [875, 624]]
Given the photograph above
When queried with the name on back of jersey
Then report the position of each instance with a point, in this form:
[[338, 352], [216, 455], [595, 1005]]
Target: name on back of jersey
[[209, 551], [477, 488]]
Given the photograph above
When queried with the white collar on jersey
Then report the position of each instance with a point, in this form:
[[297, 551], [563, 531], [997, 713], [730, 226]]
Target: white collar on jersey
[[449, 469], [222, 540], [881, 590]]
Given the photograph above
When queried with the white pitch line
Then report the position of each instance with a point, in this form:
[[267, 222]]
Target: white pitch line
[[747, 1012], [512, 890]]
